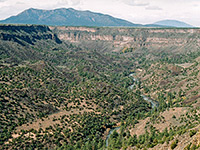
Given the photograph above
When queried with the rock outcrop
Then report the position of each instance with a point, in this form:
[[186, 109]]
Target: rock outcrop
[[23, 34], [118, 38]]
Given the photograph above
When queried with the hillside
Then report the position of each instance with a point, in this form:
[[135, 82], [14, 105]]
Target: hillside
[[173, 23], [48, 86], [66, 87], [73, 17], [66, 17]]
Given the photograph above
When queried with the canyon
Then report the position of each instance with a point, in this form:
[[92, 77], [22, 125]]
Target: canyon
[[115, 39], [66, 87]]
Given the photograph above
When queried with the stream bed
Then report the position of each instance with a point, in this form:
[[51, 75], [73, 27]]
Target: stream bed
[[153, 104]]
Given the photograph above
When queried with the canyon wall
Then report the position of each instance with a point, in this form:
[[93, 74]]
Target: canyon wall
[[119, 38], [26, 34]]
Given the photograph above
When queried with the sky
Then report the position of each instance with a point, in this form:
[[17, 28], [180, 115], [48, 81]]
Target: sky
[[136, 11]]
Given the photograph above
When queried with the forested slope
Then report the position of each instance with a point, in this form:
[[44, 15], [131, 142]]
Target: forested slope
[[59, 93]]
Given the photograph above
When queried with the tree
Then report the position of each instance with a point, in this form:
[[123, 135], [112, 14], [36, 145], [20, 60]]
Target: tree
[[132, 141], [174, 144]]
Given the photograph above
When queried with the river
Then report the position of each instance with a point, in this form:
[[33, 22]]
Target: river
[[153, 104], [110, 132]]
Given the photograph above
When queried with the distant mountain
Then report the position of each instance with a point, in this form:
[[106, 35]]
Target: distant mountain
[[173, 23], [154, 26], [66, 17]]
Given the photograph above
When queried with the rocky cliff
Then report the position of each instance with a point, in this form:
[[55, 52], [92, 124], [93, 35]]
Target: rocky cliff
[[22, 42], [116, 39], [23, 34]]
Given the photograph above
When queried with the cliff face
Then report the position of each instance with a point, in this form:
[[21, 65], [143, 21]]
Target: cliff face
[[23, 34], [113, 39], [154, 42], [118, 38], [25, 42]]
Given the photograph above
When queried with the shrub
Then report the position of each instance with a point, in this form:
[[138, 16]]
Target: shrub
[[174, 144], [192, 132]]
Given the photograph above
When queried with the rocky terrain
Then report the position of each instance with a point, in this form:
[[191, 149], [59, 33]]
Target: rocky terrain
[[156, 40], [66, 87]]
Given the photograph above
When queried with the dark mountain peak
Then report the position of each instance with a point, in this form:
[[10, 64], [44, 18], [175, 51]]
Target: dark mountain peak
[[32, 10], [29, 10], [66, 17], [71, 9], [63, 9]]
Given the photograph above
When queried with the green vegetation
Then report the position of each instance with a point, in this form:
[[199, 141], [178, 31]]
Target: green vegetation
[[174, 144], [58, 95]]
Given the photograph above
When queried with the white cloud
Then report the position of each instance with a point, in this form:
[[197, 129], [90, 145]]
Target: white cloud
[[68, 2], [62, 2], [135, 2], [76, 2], [153, 8]]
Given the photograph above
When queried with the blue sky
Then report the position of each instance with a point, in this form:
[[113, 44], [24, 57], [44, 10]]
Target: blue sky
[[136, 11]]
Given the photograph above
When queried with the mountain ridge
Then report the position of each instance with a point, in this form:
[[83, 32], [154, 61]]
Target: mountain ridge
[[64, 16], [73, 17], [173, 23]]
